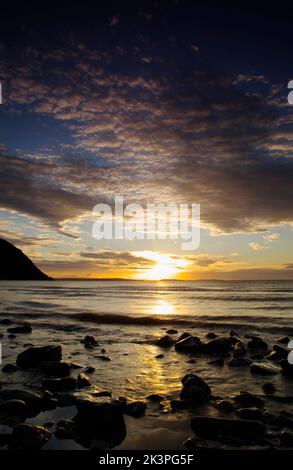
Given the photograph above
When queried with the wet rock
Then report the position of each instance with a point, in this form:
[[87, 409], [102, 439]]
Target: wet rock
[[103, 421], [257, 343], [278, 353], [20, 329], [89, 370], [32, 357], [239, 349], [55, 369], [268, 388], [188, 344], [32, 400], [11, 336], [248, 400], [83, 381], [9, 368], [225, 405], [29, 437], [103, 357], [219, 361], [282, 421], [211, 335], [195, 390], [65, 429], [13, 407], [251, 413], [240, 362], [102, 393], [177, 405], [136, 409], [165, 341], [184, 335], [262, 368], [172, 331], [232, 333], [89, 342], [60, 384], [103, 351], [191, 361], [155, 397], [287, 369], [286, 439], [284, 340], [74, 365], [159, 356], [217, 345], [219, 428]]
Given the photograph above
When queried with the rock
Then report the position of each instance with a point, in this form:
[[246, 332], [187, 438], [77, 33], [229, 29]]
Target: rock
[[89, 370], [284, 340], [55, 369], [103, 351], [29, 437], [225, 405], [5, 321], [287, 369], [103, 358], [257, 343], [155, 397], [172, 331], [281, 421], [136, 409], [83, 381], [240, 362], [9, 368], [251, 413], [248, 400], [177, 405], [286, 439], [102, 393], [103, 421], [32, 357], [278, 353], [195, 390], [89, 342], [262, 368], [217, 345], [159, 356], [239, 349], [217, 362], [32, 400], [11, 336], [219, 428], [20, 329], [211, 335], [13, 407], [60, 384], [165, 341], [232, 333], [65, 429], [188, 344], [268, 388]]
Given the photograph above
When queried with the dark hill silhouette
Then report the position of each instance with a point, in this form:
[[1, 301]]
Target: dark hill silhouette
[[15, 265]]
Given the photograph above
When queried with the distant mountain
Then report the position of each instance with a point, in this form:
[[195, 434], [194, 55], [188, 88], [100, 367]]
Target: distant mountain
[[15, 265]]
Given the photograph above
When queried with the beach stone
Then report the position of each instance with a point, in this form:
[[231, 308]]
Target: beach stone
[[155, 397], [257, 343], [9, 368], [251, 413], [287, 369], [177, 405], [262, 368], [211, 335], [29, 437], [195, 390], [239, 349], [219, 361], [219, 428], [217, 345], [89, 342], [32, 400], [136, 409], [172, 331], [60, 384], [240, 362], [278, 353], [284, 340], [165, 341], [32, 357], [13, 407], [286, 439], [20, 329], [282, 421], [102, 357], [225, 405], [248, 400], [159, 356], [89, 370], [101, 420], [188, 344], [268, 388], [184, 335], [102, 393], [83, 381], [65, 429], [55, 368]]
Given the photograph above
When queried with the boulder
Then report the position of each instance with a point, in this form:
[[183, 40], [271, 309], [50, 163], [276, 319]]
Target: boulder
[[262, 368], [239, 349], [195, 390], [29, 437], [222, 428], [55, 368], [165, 341], [248, 400], [83, 381], [32, 400], [188, 344], [257, 343], [32, 357], [254, 414], [225, 405], [217, 345], [211, 335], [60, 384], [136, 409], [284, 340]]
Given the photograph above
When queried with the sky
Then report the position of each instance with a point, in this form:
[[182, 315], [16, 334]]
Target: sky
[[173, 101]]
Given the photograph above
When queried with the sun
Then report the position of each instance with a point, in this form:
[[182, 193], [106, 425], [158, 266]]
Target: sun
[[166, 266]]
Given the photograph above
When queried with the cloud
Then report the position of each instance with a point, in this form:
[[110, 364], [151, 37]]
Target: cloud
[[256, 246]]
